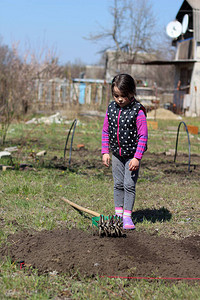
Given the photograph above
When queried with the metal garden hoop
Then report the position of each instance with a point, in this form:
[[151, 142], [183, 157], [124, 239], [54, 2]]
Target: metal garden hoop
[[72, 138], [188, 143]]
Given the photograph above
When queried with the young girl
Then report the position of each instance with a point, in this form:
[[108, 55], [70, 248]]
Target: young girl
[[125, 134]]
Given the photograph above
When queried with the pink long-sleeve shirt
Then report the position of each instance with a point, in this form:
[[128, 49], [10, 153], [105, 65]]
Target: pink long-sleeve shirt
[[142, 130]]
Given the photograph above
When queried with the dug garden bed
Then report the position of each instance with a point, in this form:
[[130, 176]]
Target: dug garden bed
[[137, 255]]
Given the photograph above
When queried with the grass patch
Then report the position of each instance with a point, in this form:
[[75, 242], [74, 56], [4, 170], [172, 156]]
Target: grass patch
[[20, 285], [31, 199]]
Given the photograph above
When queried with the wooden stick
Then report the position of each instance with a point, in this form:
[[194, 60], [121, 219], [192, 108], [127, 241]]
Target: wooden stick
[[91, 212]]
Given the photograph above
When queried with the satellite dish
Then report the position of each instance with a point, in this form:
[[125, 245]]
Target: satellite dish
[[174, 29], [185, 23]]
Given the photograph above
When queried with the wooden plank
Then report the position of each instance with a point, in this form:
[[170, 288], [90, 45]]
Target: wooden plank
[[152, 125], [193, 129]]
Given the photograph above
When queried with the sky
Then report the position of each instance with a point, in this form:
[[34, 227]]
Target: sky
[[62, 25]]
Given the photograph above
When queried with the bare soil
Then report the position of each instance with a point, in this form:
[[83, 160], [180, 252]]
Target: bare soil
[[158, 164], [136, 254]]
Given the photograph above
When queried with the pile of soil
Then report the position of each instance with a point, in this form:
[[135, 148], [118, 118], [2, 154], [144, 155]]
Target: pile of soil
[[163, 114], [137, 254]]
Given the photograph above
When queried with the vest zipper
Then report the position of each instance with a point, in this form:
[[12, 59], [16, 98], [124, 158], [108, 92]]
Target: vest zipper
[[118, 131]]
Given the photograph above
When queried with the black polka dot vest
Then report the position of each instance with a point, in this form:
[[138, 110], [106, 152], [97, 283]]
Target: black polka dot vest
[[123, 137]]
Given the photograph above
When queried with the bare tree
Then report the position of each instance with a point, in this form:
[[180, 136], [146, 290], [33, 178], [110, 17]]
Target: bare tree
[[74, 70], [133, 28], [7, 77], [18, 77], [132, 35]]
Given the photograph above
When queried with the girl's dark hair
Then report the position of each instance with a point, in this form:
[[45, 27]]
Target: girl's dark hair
[[125, 83]]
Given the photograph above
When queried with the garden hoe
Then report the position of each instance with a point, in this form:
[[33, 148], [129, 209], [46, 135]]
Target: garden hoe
[[107, 225]]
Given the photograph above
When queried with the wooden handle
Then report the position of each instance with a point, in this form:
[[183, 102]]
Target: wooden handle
[[91, 212]]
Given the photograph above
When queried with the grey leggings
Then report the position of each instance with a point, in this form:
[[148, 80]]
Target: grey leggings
[[124, 183]]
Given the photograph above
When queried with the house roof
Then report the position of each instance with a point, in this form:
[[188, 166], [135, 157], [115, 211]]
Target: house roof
[[186, 7], [192, 8], [170, 62], [194, 3], [90, 80]]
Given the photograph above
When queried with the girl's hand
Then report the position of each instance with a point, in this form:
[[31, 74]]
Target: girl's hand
[[106, 159], [134, 164]]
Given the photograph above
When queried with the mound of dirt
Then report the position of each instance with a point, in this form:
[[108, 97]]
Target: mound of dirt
[[163, 114], [137, 254]]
